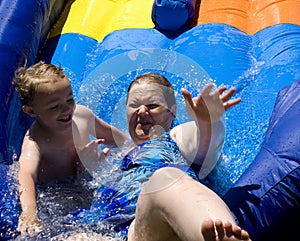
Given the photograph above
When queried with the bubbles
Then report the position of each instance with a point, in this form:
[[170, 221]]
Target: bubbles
[[9, 210], [55, 201], [105, 89]]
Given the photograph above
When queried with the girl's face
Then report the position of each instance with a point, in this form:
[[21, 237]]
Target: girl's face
[[148, 114], [53, 105]]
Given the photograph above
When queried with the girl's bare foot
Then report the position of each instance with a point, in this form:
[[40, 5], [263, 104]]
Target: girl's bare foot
[[219, 231]]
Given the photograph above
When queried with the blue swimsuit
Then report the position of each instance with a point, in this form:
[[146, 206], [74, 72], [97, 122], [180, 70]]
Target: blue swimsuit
[[116, 204]]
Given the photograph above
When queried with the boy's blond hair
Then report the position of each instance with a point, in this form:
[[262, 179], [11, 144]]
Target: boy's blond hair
[[27, 80]]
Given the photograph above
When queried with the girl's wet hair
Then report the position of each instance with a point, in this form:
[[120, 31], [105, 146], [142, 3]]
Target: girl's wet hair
[[155, 78], [27, 80]]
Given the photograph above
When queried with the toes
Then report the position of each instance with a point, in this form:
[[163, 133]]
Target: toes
[[220, 229], [228, 229], [208, 230]]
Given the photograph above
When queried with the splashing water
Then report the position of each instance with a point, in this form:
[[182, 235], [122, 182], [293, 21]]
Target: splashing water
[[56, 201], [105, 94]]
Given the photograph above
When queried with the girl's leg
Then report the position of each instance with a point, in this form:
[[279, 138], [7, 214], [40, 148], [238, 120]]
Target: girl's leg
[[173, 206]]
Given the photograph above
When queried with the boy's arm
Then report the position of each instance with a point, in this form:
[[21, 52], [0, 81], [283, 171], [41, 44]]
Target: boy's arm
[[100, 129], [112, 136], [27, 176], [88, 150]]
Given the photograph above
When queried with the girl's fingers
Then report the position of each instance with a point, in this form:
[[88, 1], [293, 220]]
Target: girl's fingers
[[226, 96], [207, 89], [187, 96], [218, 95], [230, 103], [220, 90]]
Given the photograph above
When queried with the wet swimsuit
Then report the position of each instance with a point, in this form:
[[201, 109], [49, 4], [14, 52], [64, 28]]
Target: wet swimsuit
[[116, 203]]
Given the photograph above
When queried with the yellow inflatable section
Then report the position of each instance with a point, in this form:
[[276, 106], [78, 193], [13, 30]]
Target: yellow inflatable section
[[96, 19]]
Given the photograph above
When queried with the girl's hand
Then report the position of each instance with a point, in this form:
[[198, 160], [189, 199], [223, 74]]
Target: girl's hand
[[209, 106]]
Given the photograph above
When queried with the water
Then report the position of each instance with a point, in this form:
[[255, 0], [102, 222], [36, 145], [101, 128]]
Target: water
[[56, 201], [104, 91], [105, 94], [9, 210]]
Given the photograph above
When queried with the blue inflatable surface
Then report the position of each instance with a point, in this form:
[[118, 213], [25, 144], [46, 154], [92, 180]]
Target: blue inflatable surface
[[266, 198], [257, 65], [258, 171]]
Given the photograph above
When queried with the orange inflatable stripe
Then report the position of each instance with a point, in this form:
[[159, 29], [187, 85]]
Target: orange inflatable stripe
[[249, 16]]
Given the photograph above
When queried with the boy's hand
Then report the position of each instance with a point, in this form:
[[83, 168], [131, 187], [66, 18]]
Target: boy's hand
[[90, 155], [30, 224], [209, 107]]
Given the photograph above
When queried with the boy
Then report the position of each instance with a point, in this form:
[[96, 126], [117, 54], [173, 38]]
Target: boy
[[51, 147]]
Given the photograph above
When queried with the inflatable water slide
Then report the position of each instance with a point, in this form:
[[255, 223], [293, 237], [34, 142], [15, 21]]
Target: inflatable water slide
[[253, 45]]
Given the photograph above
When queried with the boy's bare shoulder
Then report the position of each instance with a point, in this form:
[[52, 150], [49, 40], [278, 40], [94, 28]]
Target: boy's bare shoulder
[[30, 137], [84, 118], [82, 111], [34, 133], [79, 107]]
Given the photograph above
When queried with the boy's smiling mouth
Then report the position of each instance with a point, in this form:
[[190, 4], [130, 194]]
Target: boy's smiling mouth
[[66, 119]]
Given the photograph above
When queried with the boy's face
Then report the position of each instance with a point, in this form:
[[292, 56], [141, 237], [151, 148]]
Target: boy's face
[[53, 105]]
